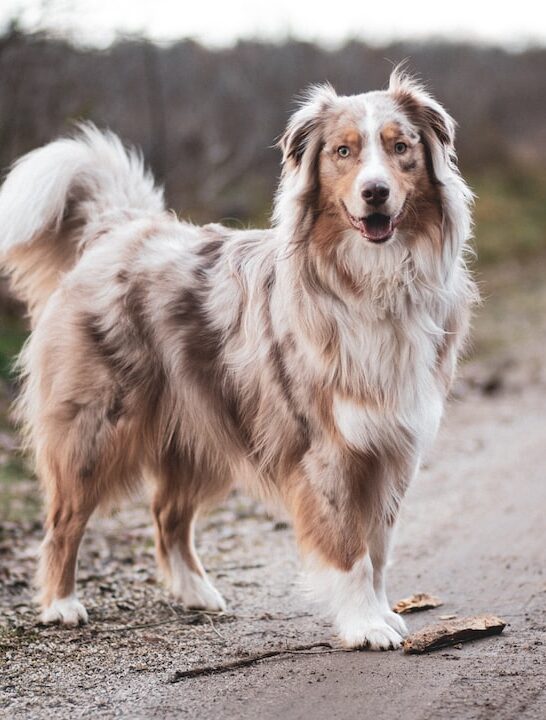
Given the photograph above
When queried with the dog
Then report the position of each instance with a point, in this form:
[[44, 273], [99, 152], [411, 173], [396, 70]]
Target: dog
[[309, 361]]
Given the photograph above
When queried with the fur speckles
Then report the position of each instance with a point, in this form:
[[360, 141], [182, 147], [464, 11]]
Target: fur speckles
[[320, 502], [311, 196], [318, 530], [429, 161], [201, 344], [269, 284], [211, 252], [122, 276], [436, 121], [115, 411], [280, 372], [282, 376], [135, 307], [409, 165], [304, 128], [125, 347], [102, 344], [431, 122], [202, 349], [390, 132]]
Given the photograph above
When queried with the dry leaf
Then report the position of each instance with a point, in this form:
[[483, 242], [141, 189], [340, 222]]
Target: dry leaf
[[419, 601]]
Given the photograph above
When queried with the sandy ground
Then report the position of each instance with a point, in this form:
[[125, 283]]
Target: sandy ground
[[471, 532]]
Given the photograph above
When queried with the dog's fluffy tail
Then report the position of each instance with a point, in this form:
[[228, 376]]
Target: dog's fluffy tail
[[57, 198]]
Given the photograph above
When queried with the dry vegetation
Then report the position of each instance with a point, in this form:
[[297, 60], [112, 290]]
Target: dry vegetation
[[207, 119]]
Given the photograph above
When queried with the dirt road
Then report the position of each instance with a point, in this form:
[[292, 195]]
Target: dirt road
[[472, 532]]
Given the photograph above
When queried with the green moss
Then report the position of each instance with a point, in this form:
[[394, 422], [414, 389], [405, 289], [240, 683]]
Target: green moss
[[19, 495], [12, 336], [510, 216], [15, 638]]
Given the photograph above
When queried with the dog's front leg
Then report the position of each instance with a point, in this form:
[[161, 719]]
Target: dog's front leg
[[359, 617], [334, 502], [379, 543]]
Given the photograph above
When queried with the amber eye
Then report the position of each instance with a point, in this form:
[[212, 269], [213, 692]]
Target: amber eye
[[400, 148], [343, 151]]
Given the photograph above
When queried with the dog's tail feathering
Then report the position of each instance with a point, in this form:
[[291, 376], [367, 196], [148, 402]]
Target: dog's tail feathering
[[57, 198]]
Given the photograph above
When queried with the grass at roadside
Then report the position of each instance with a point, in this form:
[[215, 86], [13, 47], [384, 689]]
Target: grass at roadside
[[510, 217], [12, 336]]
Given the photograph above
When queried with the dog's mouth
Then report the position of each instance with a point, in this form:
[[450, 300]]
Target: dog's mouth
[[377, 227]]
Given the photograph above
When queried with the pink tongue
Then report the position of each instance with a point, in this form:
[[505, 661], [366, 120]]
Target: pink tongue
[[376, 226]]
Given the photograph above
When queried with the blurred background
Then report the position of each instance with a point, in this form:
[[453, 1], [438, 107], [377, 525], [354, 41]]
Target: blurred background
[[205, 91]]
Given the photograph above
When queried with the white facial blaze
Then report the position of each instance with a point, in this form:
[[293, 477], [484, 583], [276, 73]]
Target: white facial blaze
[[376, 112], [375, 167]]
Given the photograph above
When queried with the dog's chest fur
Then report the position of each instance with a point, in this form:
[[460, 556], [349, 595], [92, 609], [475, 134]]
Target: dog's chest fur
[[354, 370], [381, 377]]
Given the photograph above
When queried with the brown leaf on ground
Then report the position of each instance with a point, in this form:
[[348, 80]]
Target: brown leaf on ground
[[419, 601]]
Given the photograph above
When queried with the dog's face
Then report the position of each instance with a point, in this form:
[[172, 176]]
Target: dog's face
[[372, 162], [372, 165]]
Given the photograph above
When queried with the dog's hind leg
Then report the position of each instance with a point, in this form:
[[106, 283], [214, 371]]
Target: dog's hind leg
[[177, 499], [67, 517], [83, 462]]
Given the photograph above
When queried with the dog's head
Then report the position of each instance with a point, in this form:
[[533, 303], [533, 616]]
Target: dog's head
[[375, 163]]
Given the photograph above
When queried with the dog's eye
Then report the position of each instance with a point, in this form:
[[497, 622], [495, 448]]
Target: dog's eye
[[343, 151], [400, 148]]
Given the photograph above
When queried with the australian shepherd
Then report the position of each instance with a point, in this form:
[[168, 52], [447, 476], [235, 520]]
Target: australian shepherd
[[309, 361]]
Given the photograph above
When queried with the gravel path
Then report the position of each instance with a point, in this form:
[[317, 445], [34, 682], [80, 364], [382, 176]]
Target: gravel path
[[472, 532]]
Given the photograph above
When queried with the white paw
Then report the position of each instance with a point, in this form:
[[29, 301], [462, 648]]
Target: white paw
[[396, 622], [373, 633], [66, 611], [192, 588], [198, 592]]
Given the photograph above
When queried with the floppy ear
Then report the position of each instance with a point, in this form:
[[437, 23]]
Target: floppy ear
[[436, 127], [304, 130], [301, 144], [298, 135], [437, 131]]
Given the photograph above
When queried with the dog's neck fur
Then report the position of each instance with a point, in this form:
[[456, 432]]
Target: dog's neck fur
[[357, 307], [333, 263]]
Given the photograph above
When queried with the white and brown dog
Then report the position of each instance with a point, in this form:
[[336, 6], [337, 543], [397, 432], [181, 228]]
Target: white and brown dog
[[310, 360]]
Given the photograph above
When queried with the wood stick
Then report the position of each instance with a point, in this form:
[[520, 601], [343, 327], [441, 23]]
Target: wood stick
[[453, 632], [244, 662]]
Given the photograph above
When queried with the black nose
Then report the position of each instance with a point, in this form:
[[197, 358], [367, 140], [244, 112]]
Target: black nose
[[375, 193]]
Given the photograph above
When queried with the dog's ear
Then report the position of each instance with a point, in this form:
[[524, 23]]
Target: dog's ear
[[435, 126], [303, 133], [437, 132], [297, 137], [301, 145]]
